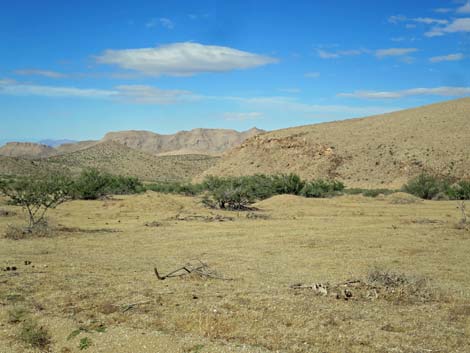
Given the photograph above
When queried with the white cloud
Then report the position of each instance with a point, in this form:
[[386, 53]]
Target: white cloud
[[162, 21], [464, 9], [167, 23], [326, 55], [10, 87], [397, 18], [442, 10], [151, 95], [430, 21], [291, 105], [333, 55], [426, 20], [242, 116], [438, 91], [458, 25], [381, 53], [183, 59], [36, 72], [129, 93], [312, 74], [450, 57]]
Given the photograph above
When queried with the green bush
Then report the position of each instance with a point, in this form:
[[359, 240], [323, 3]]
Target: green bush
[[93, 184], [428, 186], [460, 190], [175, 187], [37, 194], [322, 188], [288, 184], [234, 193]]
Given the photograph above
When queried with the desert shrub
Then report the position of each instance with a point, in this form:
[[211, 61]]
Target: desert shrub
[[432, 187], [39, 230], [460, 190], [288, 184], [376, 192], [322, 188], [354, 191], [122, 185], [93, 184], [228, 193], [38, 194], [174, 187], [34, 335], [402, 288], [17, 314], [427, 186]]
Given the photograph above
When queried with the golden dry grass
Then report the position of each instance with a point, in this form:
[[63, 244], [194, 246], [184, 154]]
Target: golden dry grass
[[88, 275]]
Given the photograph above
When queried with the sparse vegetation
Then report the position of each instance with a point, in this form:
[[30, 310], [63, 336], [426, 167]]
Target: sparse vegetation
[[432, 187], [34, 335], [17, 314], [93, 184], [37, 195], [322, 188], [84, 343]]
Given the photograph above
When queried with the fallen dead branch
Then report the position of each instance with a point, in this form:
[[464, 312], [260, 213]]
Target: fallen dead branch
[[379, 284], [197, 268]]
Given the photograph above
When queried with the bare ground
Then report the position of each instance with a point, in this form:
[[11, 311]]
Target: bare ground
[[97, 275]]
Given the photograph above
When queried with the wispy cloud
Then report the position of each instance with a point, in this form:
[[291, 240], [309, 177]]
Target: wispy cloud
[[162, 21], [183, 59], [128, 93], [465, 9], [450, 57], [10, 87], [142, 94], [151, 95], [382, 53], [37, 72], [426, 20], [312, 74], [242, 116], [292, 105], [443, 10], [458, 25], [438, 91], [324, 54]]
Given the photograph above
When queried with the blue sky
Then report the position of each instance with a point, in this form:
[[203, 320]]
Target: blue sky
[[77, 69]]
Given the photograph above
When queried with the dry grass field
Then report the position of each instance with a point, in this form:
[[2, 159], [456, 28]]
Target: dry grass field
[[95, 279]]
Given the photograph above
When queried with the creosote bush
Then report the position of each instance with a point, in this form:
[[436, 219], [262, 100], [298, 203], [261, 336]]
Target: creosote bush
[[432, 187], [93, 184], [36, 195]]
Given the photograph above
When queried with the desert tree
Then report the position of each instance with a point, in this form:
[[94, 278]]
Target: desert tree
[[38, 194]]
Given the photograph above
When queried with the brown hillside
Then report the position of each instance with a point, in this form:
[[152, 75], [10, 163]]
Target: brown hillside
[[378, 151], [197, 141], [74, 146], [118, 159], [26, 149]]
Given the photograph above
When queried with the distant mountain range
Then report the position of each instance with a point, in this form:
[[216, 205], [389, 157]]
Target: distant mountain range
[[198, 141], [55, 143]]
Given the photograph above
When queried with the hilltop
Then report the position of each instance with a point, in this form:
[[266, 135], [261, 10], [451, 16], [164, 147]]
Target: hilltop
[[201, 141], [197, 141], [116, 158], [26, 150], [378, 151]]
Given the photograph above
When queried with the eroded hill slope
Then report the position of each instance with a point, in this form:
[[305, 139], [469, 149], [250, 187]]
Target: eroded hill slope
[[378, 151]]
